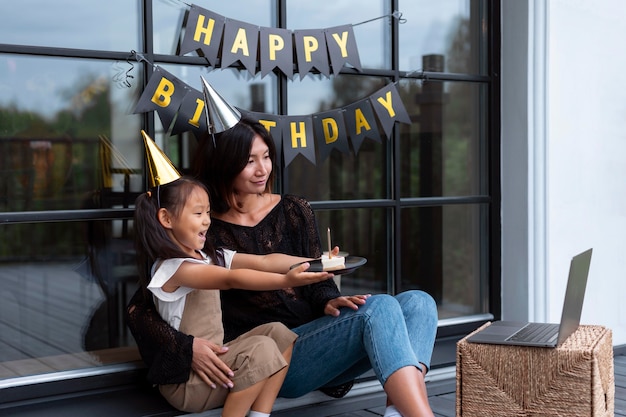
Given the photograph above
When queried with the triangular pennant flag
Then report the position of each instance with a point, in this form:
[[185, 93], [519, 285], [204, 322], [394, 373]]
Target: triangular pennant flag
[[311, 51], [342, 48], [389, 108], [273, 124], [361, 123], [164, 93], [298, 138], [191, 115], [276, 51], [203, 32], [330, 133], [241, 42]]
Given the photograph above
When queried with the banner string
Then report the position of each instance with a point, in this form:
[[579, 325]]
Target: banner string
[[396, 14], [139, 57]]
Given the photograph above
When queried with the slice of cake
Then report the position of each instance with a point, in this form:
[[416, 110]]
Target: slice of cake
[[333, 264]]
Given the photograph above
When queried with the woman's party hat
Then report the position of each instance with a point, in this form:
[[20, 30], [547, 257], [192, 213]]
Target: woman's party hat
[[220, 115]]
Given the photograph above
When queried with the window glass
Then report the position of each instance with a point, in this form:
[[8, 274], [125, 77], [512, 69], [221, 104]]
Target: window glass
[[63, 288], [67, 133], [441, 152], [441, 255], [454, 29], [103, 25], [342, 175], [69, 140], [359, 232], [372, 37], [169, 19]]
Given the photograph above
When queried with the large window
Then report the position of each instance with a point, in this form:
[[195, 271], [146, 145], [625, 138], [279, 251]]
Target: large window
[[419, 204]]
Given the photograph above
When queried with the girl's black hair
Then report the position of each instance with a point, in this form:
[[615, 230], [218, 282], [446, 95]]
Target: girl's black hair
[[218, 166], [151, 240]]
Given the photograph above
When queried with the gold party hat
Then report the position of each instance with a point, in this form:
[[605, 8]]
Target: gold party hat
[[161, 169], [220, 115]]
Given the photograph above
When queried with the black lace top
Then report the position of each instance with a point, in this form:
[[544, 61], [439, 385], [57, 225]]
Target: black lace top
[[166, 352], [289, 228]]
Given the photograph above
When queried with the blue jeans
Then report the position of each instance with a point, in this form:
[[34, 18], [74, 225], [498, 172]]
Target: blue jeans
[[385, 334]]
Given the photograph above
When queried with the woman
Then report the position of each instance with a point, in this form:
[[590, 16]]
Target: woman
[[339, 337]]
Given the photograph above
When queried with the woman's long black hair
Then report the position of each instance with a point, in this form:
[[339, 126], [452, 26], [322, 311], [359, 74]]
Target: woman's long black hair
[[218, 165], [151, 240]]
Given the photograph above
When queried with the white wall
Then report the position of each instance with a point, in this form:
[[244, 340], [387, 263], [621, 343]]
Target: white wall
[[575, 183]]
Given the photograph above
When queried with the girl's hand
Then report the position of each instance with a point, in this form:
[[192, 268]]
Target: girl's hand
[[350, 301], [298, 275], [206, 363]]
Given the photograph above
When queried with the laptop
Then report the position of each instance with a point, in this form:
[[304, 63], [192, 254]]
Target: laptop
[[544, 334]]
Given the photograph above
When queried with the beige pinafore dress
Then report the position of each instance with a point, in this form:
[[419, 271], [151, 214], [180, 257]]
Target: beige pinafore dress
[[253, 356]]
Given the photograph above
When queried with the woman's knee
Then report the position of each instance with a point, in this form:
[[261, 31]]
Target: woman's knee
[[380, 303], [417, 301]]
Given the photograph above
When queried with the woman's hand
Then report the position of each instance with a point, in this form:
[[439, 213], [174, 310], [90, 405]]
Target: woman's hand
[[350, 301], [335, 251], [206, 363], [298, 276]]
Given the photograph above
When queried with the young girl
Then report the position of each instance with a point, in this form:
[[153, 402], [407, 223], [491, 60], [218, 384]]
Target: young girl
[[171, 224]]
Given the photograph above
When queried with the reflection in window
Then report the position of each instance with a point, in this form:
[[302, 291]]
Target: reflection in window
[[441, 152], [342, 176], [451, 28], [63, 142], [102, 25], [440, 255], [372, 34], [64, 286]]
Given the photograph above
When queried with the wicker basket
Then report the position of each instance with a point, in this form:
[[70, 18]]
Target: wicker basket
[[575, 379]]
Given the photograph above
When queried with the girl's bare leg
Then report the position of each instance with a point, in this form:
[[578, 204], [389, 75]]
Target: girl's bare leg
[[259, 397], [406, 390], [238, 403], [265, 400]]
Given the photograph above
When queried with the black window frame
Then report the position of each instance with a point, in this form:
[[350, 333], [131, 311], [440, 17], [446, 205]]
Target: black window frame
[[448, 334]]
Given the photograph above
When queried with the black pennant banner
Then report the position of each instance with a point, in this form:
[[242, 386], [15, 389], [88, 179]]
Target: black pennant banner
[[313, 136], [223, 41]]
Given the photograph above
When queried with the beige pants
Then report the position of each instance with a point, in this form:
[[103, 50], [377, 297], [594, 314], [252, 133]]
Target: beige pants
[[253, 357]]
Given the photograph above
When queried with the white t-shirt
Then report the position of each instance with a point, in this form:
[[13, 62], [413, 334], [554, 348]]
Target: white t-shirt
[[172, 304]]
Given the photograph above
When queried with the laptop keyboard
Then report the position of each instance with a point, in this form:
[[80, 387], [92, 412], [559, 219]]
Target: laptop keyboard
[[536, 333]]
